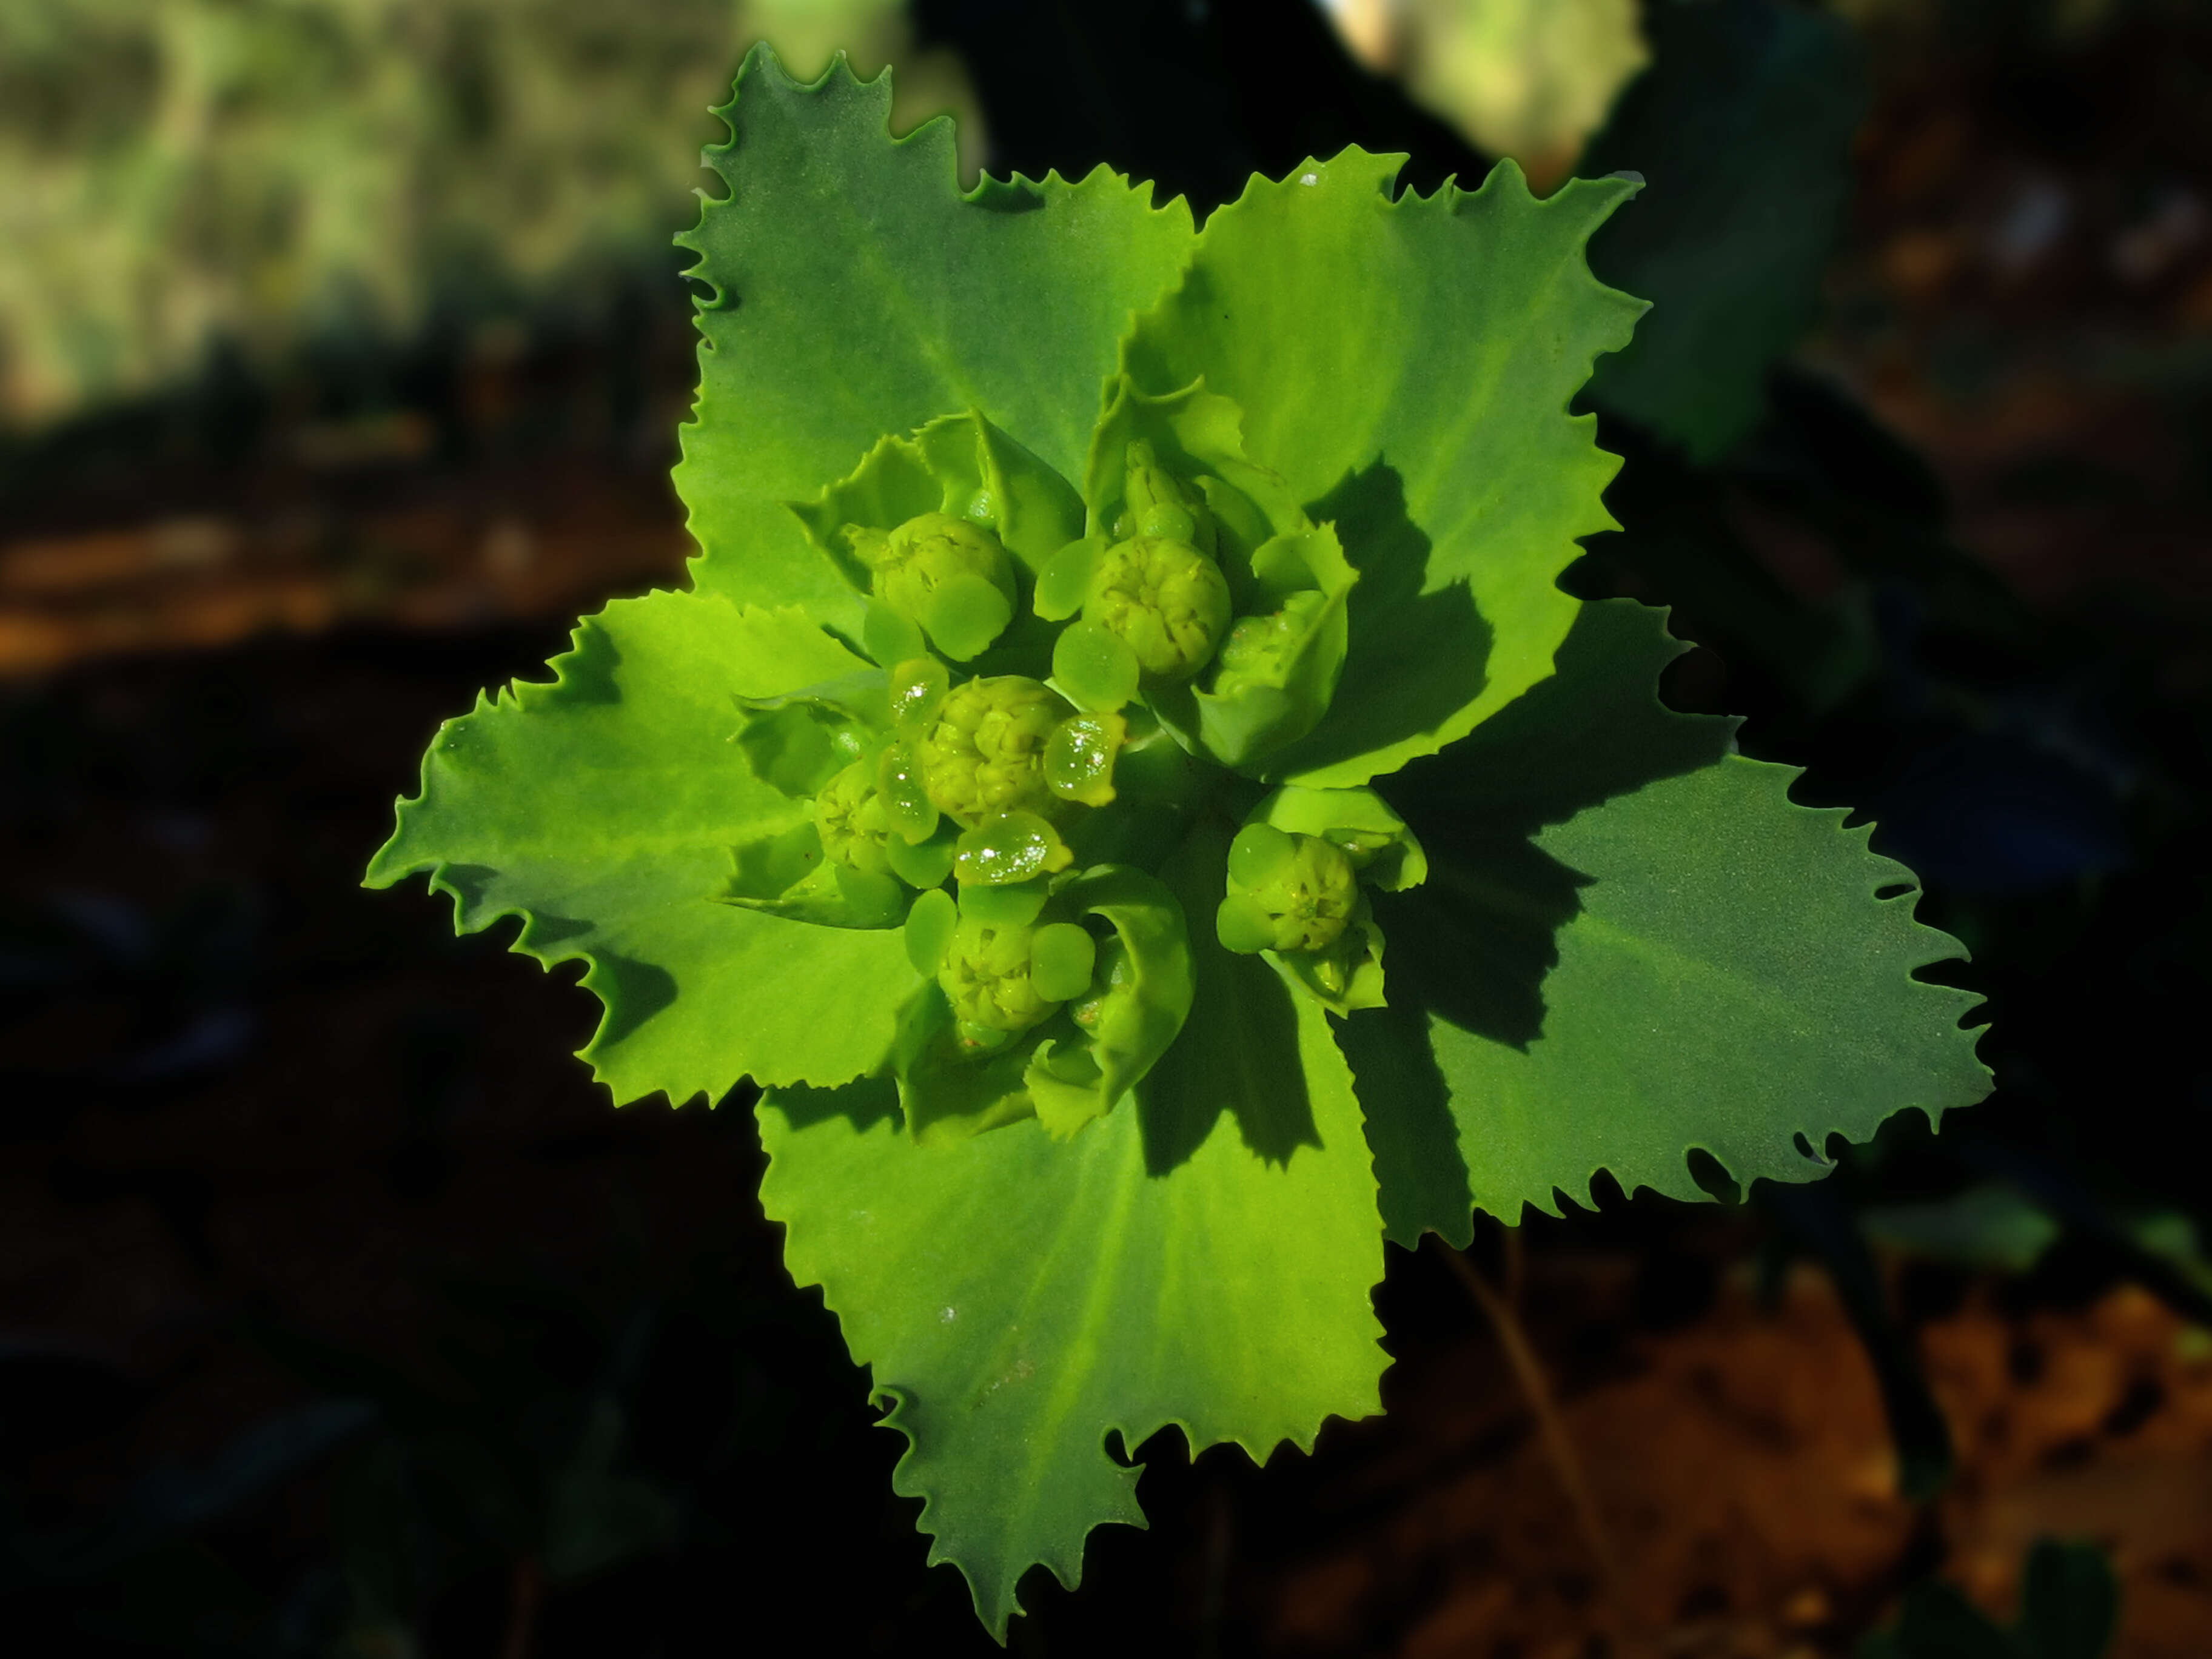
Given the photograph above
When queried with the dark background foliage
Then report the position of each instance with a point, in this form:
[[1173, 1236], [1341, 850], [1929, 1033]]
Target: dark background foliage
[[339, 1316]]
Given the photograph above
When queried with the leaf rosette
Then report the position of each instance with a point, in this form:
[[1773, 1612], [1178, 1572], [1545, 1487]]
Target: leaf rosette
[[1109, 636]]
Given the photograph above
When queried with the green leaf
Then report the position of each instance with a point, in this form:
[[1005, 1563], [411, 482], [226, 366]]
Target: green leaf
[[1193, 434], [959, 465], [1202, 1260], [601, 809], [800, 743], [1426, 418], [1280, 665], [787, 874], [1632, 943], [1761, 992], [1989, 1228], [1743, 129], [2069, 1602], [857, 293], [1938, 1622], [2068, 1608], [1138, 1009]]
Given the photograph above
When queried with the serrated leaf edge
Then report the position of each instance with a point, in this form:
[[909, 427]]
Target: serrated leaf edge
[[989, 190], [1939, 947], [906, 1483]]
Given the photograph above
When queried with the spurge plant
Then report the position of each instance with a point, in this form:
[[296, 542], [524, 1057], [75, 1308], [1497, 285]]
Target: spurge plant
[[1128, 785]]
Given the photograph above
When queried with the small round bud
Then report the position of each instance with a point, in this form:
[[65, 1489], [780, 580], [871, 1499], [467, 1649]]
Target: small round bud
[[1094, 667], [1061, 956], [849, 816], [949, 574], [930, 925], [1168, 602], [1112, 974], [984, 750], [1157, 502], [987, 975], [889, 638], [1286, 892]]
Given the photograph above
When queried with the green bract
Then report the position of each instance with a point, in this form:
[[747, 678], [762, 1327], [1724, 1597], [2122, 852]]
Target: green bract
[[1106, 636]]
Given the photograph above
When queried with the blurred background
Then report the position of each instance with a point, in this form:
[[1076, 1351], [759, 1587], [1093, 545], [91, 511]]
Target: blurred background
[[342, 350]]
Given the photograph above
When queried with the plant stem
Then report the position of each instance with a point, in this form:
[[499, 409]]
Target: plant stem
[[525, 1585], [1528, 1371]]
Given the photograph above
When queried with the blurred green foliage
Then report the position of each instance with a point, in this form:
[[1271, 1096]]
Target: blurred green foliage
[[261, 172], [1531, 79], [2068, 1608]]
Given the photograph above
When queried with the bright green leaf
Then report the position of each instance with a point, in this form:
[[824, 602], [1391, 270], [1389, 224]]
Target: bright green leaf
[[858, 293], [1200, 1256], [787, 875], [602, 809], [1408, 366]]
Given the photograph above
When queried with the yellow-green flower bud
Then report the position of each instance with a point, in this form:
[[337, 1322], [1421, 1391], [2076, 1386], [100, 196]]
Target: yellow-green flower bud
[[984, 750], [1286, 892], [1157, 503], [950, 575], [849, 816], [986, 975], [1165, 599]]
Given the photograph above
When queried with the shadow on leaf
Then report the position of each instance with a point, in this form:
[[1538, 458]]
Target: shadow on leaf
[[864, 1104], [1595, 729], [1419, 1172], [633, 990], [1473, 945], [1238, 1051], [469, 884], [540, 932], [586, 673], [1415, 658]]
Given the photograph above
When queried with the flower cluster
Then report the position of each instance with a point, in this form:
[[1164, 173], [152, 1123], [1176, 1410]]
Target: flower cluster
[[1068, 684]]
